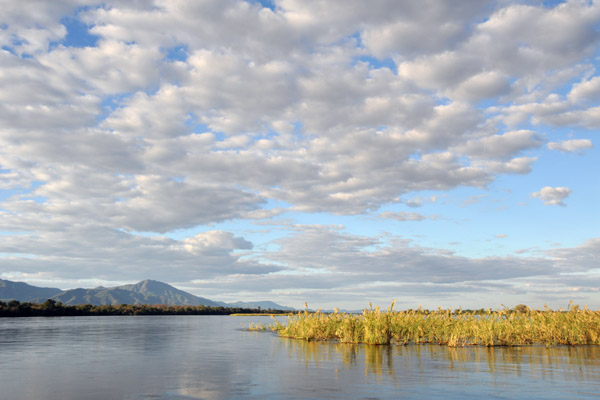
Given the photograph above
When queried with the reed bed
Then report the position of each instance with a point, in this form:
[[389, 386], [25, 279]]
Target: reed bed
[[446, 327]]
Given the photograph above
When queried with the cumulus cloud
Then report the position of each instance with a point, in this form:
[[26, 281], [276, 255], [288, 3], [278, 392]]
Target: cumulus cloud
[[184, 115], [161, 205], [215, 242], [234, 105], [501, 146], [588, 118], [83, 251], [537, 37], [586, 91], [482, 86], [30, 30], [403, 36], [552, 196], [439, 71], [572, 145]]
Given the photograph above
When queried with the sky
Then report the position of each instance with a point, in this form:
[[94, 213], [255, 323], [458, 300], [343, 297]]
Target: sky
[[329, 152]]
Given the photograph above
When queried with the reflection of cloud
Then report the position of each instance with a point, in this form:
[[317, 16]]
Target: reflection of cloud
[[203, 391]]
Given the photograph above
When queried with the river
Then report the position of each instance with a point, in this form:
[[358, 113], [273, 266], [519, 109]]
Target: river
[[212, 357]]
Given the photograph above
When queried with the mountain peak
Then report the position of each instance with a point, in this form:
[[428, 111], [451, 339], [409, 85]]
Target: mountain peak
[[149, 285], [147, 291]]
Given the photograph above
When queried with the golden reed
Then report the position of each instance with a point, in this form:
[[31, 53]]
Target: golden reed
[[516, 327]]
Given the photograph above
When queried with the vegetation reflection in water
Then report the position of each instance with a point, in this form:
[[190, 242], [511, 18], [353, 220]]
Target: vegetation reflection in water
[[516, 327], [389, 362]]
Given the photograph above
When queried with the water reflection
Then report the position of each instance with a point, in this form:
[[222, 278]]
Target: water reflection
[[574, 363], [210, 358]]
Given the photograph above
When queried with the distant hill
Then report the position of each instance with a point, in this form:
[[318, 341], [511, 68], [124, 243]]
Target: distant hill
[[144, 292], [154, 290], [264, 305], [23, 292]]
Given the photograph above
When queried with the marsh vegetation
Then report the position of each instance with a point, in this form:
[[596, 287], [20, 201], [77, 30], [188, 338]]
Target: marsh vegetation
[[506, 327]]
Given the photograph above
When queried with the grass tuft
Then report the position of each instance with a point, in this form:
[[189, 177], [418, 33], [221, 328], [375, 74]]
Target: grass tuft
[[516, 327]]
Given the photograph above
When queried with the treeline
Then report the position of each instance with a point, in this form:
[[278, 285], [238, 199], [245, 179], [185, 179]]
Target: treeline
[[51, 308]]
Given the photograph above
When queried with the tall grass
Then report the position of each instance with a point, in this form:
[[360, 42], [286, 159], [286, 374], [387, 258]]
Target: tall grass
[[446, 327]]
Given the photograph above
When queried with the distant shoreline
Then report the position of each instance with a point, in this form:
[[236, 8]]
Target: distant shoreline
[[50, 308]]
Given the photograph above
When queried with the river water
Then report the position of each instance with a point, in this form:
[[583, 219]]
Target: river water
[[212, 357]]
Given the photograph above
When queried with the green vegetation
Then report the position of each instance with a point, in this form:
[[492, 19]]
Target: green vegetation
[[51, 308], [521, 326]]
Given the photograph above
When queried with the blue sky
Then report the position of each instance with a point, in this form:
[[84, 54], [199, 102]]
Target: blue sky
[[330, 152]]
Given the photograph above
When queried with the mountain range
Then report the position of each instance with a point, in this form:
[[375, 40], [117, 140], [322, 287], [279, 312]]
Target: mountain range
[[144, 292]]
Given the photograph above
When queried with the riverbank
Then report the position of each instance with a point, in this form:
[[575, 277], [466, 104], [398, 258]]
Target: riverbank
[[51, 308]]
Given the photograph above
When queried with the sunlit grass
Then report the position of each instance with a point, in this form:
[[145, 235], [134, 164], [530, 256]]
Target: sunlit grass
[[446, 327]]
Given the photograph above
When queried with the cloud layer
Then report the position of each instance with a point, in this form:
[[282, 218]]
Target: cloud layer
[[172, 116]]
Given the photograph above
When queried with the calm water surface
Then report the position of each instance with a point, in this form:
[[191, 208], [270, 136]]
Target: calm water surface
[[211, 357]]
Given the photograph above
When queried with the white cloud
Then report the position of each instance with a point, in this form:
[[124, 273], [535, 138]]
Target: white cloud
[[572, 145], [419, 201], [330, 258], [339, 107], [440, 71], [215, 242], [110, 68], [522, 38], [501, 146], [163, 114], [158, 204], [82, 251], [586, 91], [553, 196], [405, 36], [518, 165], [588, 118], [29, 30], [402, 216], [244, 89], [481, 86]]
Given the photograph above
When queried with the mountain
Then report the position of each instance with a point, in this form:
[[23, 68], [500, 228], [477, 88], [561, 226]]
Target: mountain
[[144, 292], [23, 292]]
